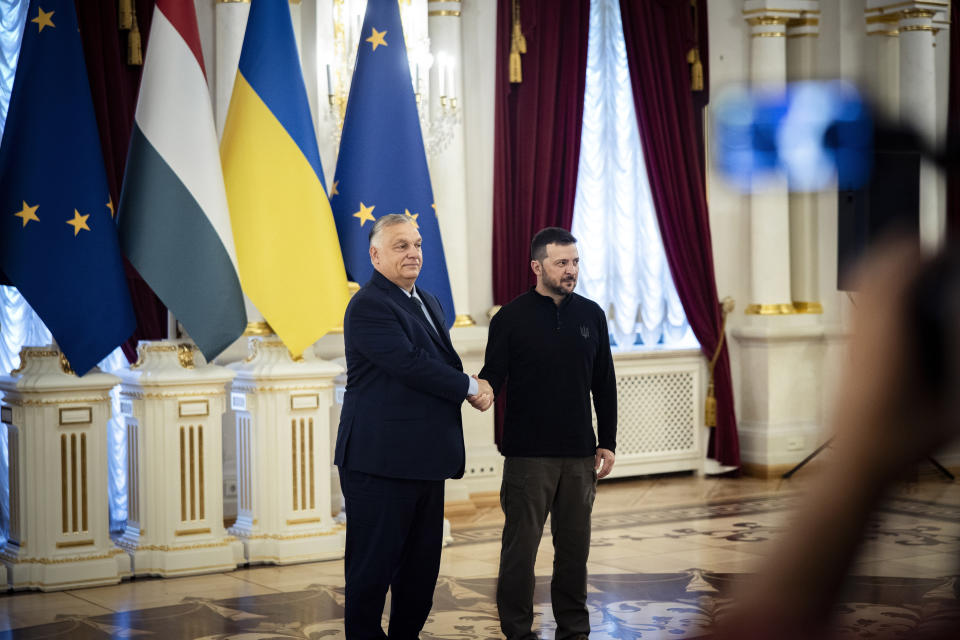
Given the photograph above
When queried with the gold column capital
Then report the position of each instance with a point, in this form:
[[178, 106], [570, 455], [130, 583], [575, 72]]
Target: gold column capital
[[784, 309]]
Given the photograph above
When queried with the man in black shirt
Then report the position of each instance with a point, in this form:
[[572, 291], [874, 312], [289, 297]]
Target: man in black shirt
[[550, 349]]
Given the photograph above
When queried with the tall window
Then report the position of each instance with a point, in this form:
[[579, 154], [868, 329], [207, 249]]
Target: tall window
[[622, 263]]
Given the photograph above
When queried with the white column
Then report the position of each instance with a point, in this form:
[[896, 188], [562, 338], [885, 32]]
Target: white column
[[280, 411], [59, 516], [941, 34], [802, 38], [479, 34], [447, 169], [172, 403], [231, 24], [780, 352], [769, 203], [918, 107], [882, 78]]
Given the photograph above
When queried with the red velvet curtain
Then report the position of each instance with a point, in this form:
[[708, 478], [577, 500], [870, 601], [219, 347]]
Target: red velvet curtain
[[537, 132], [658, 35], [114, 85]]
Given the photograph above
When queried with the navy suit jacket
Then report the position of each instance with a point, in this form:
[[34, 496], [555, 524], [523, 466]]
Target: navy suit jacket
[[405, 385]]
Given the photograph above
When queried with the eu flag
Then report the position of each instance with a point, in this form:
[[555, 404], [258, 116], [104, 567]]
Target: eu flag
[[58, 240], [382, 166]]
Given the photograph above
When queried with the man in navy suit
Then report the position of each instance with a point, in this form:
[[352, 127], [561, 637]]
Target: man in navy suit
[[400, 437]]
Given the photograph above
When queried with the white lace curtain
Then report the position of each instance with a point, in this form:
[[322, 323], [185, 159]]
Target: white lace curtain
[[19, 324], [622, 263]]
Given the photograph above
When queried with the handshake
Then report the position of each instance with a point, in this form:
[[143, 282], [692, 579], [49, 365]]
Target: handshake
[[484, 397]]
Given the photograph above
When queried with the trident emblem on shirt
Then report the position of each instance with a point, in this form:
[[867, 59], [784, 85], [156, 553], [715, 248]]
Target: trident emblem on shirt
[[585, 331]]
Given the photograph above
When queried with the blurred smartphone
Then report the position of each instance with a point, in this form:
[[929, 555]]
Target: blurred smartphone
[[811, 135]]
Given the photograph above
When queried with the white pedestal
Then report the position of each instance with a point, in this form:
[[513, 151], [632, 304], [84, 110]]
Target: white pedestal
[[782, 401], [280, 410], [172, 404], [57, 440]]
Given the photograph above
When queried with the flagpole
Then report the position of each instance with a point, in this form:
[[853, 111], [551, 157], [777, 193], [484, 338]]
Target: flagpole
[[171, 326]]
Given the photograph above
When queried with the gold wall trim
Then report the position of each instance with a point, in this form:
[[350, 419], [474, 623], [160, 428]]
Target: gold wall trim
[[765, 10], [183, 478], [258, 329], [803, 22], [464, 320], [293, 460], [803, 35], [303, 464], [808, 307], [193, 408], [200, 465], [313, 480], [185, 355], [65, 366], [295, 536], [910, 3], [767, 21], [917, 27], [64, 518], [76, 415], [191, 532], [916, 13], [892, 32], [452, 13], [19, 402], [883, 17], [193, 474], [769, 34], [74, 490], [180, 547], [83, 482], [12, 558], [769, 310], [74, 543], [300, 401], [304, 521]]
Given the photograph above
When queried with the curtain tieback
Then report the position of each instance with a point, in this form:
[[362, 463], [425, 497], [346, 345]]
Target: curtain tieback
[[518, 45], [696, 69], [710, 407], [128, 22]]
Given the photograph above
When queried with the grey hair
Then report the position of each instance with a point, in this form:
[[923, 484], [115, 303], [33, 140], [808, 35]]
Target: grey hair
[[386, 221]]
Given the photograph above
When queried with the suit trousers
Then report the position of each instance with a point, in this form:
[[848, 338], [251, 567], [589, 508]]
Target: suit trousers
[[565, 488], [394, 536]]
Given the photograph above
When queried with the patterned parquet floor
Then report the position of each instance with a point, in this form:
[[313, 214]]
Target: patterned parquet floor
[[664, 555]]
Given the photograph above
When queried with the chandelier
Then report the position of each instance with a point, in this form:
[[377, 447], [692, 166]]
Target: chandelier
[[433, 75]]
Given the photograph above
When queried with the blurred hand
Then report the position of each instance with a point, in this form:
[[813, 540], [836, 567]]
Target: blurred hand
[[891, 410], [888, 415], [604, 462], [484, 397]]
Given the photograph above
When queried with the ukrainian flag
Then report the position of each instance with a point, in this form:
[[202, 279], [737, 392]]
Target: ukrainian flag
[[286, 241]]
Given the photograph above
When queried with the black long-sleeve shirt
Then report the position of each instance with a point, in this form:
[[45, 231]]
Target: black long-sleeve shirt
[[550, 357]]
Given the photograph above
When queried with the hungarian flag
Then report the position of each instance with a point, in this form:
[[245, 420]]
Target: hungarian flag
[[174, 221]]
